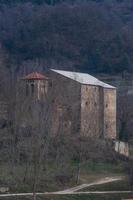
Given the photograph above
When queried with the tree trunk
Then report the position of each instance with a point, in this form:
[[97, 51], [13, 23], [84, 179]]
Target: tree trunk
[[78, 174], [34, 195]]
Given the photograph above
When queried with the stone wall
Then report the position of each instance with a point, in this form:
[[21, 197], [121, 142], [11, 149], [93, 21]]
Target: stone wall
[[91, 111], [122, 148], [36, 89], [42, 89], [66, 104], [98, 111], [109, 113]]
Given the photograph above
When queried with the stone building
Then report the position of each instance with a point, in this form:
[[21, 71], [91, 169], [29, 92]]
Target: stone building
[[78, 102], [36, 86], [31, 95]]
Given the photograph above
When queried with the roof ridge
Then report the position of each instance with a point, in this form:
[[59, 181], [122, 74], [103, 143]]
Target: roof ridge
[[83, 78], [35, 76]]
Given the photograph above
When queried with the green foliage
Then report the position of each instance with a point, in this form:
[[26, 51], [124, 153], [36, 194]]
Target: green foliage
[[104, 168]]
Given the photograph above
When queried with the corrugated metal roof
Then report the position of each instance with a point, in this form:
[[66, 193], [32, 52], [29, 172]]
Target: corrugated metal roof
[[35, 76], [83, 78]]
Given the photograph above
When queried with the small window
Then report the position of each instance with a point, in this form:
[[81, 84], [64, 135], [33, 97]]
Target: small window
[[27, 90], [29, 108], [86, 103], [32, 88], [106, 105], [53, 101], [65, 124], [50, 84]]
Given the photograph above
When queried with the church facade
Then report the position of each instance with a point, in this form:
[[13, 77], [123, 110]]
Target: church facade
[[69, 103]]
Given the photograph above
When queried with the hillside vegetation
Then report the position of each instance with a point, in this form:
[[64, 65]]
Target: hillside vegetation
[[89, 35]]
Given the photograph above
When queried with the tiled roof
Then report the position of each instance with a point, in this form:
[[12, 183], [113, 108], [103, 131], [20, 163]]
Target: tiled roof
[[83, 78], [35, 76]]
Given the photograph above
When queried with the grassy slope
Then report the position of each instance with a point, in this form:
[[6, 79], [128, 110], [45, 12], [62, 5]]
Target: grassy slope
[[113, 186], [91, 172]]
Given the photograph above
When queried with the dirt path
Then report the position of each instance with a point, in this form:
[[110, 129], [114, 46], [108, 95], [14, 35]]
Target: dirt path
[[101, 181], [75, 190], [74, 193]]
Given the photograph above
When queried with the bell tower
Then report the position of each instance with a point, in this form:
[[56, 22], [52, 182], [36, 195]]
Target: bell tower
[[36, 86]]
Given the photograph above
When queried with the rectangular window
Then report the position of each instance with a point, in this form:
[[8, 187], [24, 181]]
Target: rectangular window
[[27, 90], [32, 88], [50, 84]]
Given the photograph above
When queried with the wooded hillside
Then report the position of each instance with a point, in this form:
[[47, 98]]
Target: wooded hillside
[[89, 35]]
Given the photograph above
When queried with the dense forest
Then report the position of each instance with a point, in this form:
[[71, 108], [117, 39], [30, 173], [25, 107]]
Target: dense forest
[[82, 35]]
